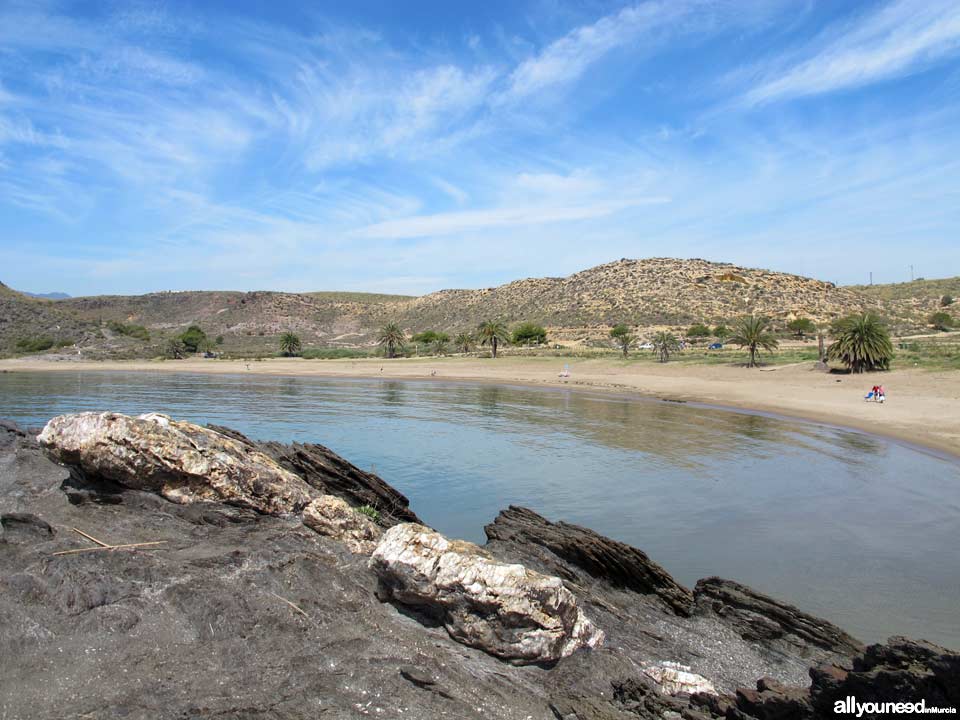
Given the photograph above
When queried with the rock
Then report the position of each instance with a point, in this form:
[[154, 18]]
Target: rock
[[675, 679], [329, 515], [328, 473], [772, 700], [184, 463], [901, 670], [506, 610], [760, 618], [614, 562]]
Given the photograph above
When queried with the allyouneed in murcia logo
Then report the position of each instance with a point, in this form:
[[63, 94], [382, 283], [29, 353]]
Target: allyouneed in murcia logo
[[850, 706]]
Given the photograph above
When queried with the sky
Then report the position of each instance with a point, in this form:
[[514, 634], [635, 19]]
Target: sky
[[413, 146]]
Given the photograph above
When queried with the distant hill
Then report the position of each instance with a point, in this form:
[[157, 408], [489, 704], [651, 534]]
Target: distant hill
[[47, 296], [648, 294]]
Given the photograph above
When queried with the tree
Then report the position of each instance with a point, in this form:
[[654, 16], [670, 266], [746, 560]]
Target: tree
[[176, 350], [440, 341], [427, 337], [492, 332], [391, 339], [464, 342], [290, 345], [219, 340], [528, 333], [698, 331], [665, 343], [721, 333], [623, 337], [754, 333], [801, 326], [192, 338], [862, 343], [946, 301], [941, 321]]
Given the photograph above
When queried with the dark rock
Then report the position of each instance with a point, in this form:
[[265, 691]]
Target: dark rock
[[329, 473], [760, 618], [609, 560], [772, 700], [900, 670], [21, 527]]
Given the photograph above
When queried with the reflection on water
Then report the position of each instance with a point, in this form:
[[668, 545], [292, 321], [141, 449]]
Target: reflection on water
[[848, 526]]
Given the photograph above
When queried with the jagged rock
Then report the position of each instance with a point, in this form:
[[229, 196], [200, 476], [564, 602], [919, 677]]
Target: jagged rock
[[901, 670], [327, 472], [773, 700], [675, 679], [614, 562], [183, 462], [329, 515], [760, 618], [505, 610]]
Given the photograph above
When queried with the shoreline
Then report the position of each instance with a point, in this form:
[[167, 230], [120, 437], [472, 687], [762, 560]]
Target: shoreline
[[923, 407]]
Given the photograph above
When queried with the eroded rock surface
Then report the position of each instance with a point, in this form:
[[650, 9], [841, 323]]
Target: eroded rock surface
[[614, 562], [333, 517], [760, 618], [183, 462], [505, 609]]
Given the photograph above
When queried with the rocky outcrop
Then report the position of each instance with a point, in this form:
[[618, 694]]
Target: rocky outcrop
[[331, 516], [184, 463], [760, 618], [675, 679], [613, 562], [328, 473], [900, 670], [505, 610], [773, 700]]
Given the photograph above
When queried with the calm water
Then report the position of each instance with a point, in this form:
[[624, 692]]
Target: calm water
[[851, 527]]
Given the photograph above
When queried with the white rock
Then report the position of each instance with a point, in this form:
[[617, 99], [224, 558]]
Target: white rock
[[675, 678], [506, 610], [331, 516]]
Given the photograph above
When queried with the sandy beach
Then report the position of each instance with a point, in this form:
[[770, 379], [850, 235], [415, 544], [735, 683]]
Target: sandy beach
[[922, 408]]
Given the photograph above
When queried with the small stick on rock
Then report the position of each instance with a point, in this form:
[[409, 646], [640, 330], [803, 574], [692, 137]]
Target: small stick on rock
[[295, 607], [127, 546], [91, 537]]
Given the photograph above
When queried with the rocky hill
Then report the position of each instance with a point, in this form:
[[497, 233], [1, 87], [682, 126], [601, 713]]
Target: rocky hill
[[907, 301], [647, 294]]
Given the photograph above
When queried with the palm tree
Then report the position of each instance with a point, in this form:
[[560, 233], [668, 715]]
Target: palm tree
[[493, 332], [391, 338], [439, 345], [665, 343], [464, 342], [754, 333], [290, 344], [862, 344], [623, 337]]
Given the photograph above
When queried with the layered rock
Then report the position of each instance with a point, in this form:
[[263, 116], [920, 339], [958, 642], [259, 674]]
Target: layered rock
[[760, 618], [331, 516], [503, 609], [328, 473], [601, 557], [183, 462]]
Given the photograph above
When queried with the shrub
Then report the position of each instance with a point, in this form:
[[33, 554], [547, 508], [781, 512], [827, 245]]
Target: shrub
[[333, 353], [528, 333], [941, 321], [135, 331], [176, 349], [370, 512], [35, 344], [623, 337], [219, 340], [801, 326], [698, 331], [721, 332], [946, 301]]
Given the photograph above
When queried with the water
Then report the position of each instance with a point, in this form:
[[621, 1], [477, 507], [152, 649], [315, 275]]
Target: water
[[851, 527]]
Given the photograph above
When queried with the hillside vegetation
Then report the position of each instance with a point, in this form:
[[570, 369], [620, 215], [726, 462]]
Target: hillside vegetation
[[644, 294]]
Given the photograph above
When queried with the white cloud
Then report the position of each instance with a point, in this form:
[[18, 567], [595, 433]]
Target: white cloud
[[903, 37]]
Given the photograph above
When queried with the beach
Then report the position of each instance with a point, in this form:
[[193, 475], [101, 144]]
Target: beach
[[922, 407]]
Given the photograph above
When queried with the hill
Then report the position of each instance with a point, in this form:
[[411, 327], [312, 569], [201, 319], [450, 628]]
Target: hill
[[47, 296], [37, 324], [651, 293]]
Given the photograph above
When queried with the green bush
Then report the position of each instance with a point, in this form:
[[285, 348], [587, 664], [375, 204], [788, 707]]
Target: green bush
[[941, 321], [529, 333], [193, 339], [333, 353], [35, 344], [946, 301], [698, 331], [801, 326], [370, 512], [135, 331]]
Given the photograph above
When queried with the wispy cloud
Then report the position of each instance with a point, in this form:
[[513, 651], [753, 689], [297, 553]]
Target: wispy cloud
[[897, 39]]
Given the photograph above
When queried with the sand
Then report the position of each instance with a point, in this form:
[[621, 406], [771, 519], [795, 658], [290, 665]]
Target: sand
[[922, 408]]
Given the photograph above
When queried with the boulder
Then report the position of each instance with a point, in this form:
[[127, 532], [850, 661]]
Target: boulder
[[772, 700], [614, 562], [504, 609], [328, 473], [331, 516], [183, 462], [676, 679], [760, 618]]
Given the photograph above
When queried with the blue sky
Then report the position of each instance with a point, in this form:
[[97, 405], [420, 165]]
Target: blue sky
[[413, 146]]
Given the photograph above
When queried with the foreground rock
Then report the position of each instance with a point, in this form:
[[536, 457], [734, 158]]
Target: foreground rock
[[328, 473], [331, 516], [506, 610], [615, 562], [181, 461]]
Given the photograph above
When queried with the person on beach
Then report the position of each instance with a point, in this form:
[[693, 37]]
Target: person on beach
[[872, 395], [881, 396]]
